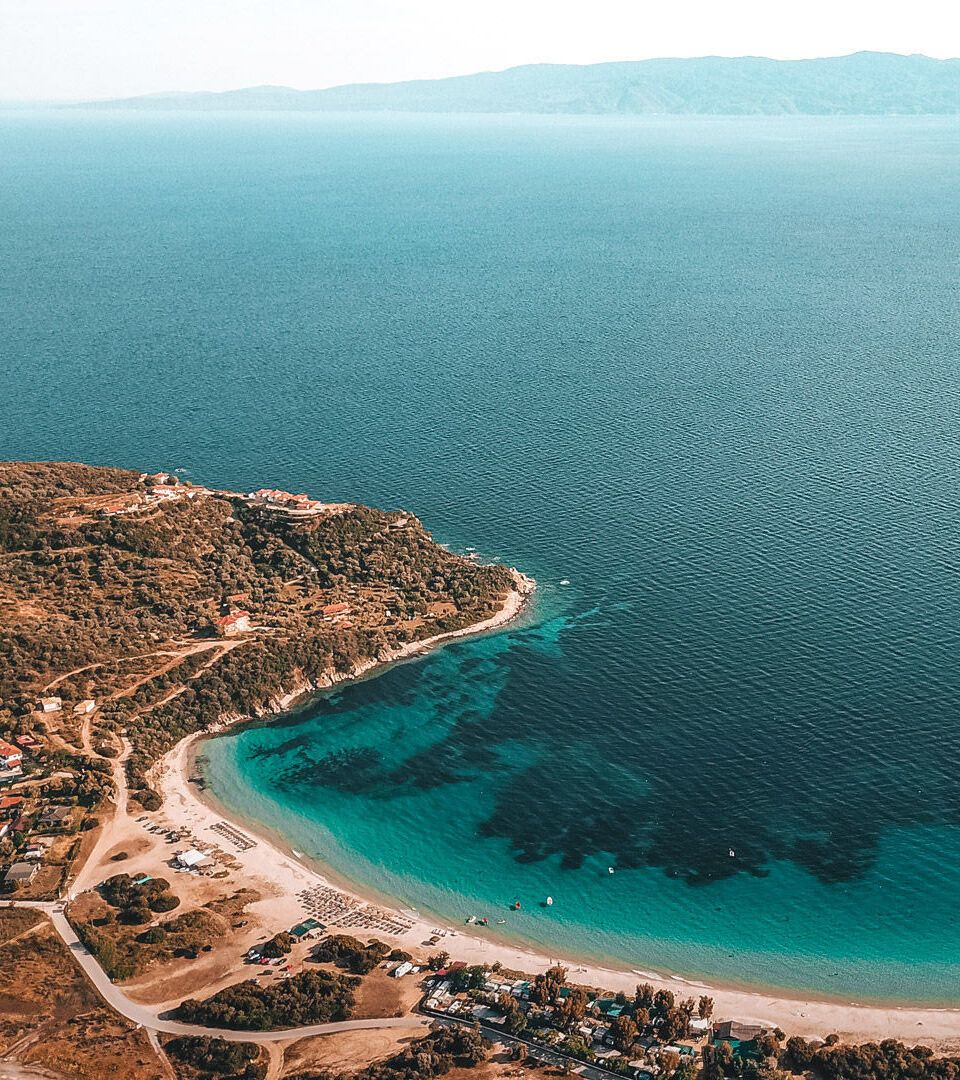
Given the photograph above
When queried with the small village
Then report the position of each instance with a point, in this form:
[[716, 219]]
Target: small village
[[47, 800], [610, 1032]]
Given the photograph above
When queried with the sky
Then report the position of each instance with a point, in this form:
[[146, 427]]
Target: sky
[[87, 49]]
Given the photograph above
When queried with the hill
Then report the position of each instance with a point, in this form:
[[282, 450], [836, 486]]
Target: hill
[[864, 83], [169, 607]]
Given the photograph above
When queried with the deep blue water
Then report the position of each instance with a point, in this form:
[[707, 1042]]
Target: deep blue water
[[706, 370]]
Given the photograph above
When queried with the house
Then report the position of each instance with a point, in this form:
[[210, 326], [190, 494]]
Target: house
[[10, 805], [304, 928], [85, 706], [742, 1038], [734, 1031], [10, 756], [237, 622], [402, 969], [51, 704], [56, 817], [21, 873], [331, 610], [26, 741], [187, 860]]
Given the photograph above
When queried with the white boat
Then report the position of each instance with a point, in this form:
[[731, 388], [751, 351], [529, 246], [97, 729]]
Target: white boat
[[549, 901], [565, 581]]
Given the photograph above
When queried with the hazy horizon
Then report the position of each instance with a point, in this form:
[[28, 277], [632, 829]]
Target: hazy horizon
[[56, 51], [186, 91]]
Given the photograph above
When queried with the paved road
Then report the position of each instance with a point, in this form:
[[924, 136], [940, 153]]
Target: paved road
[[148, 1017]]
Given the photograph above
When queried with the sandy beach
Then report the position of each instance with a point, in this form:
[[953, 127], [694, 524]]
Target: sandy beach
[[293, 889]]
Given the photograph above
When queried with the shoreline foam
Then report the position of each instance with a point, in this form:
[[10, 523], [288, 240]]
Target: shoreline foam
[[274, 866]]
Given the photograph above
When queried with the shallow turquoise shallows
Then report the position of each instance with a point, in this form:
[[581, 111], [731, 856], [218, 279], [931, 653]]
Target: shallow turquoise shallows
[[705, 370]]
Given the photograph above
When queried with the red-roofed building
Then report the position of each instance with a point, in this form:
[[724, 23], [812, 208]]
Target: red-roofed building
[[10, 756], [237, 622], [336, 609]]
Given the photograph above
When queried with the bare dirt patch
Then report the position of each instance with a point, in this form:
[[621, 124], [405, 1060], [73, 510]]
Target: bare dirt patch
[[349, 1051], [55, 1018], [380, 995]]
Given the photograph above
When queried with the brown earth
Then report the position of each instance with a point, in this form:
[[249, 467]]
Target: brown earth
[[52, 1019]]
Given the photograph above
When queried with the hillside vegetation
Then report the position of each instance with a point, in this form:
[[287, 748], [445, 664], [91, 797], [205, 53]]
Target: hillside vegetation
[[112, 594]]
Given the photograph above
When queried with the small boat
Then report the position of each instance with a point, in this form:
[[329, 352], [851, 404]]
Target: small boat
[[470, 920], [483, 921], [500, 922], [731, 853], [299, 854], [611, 870], [549, 901], [516, 905], [565, 581]]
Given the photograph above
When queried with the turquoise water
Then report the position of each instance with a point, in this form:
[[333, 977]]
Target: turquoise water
[[706, 371]]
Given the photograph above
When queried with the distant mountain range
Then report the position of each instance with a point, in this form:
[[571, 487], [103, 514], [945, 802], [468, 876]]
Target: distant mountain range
[[862, 83]]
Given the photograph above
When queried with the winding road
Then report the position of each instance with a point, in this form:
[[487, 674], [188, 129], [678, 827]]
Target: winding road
[[150, 1019]]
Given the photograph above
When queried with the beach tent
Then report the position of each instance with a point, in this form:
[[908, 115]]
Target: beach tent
[[191, 858]]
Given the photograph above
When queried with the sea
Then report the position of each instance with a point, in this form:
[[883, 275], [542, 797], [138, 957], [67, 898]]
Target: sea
[[699, 377]]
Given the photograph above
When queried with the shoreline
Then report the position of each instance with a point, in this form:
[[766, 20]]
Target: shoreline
[[282, 873]]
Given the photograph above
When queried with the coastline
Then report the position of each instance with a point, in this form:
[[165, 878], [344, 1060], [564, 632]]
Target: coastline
[[280, 874]]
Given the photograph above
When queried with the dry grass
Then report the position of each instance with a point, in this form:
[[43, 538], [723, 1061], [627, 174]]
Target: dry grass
[[346, 1052], [379, 995], [52, 1019]]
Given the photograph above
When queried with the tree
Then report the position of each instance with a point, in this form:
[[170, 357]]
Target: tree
[[705, 1008], [471, 978], [572, 1009], [279, 945], [576, 1047], [663, 1001], [797, 1055], [439, 961], [164, 901], [643, 999], [669, 1060], [514, 1018], [546, 987], [674, 1024], [624, 1032], [136, 915], [767, 1045]]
